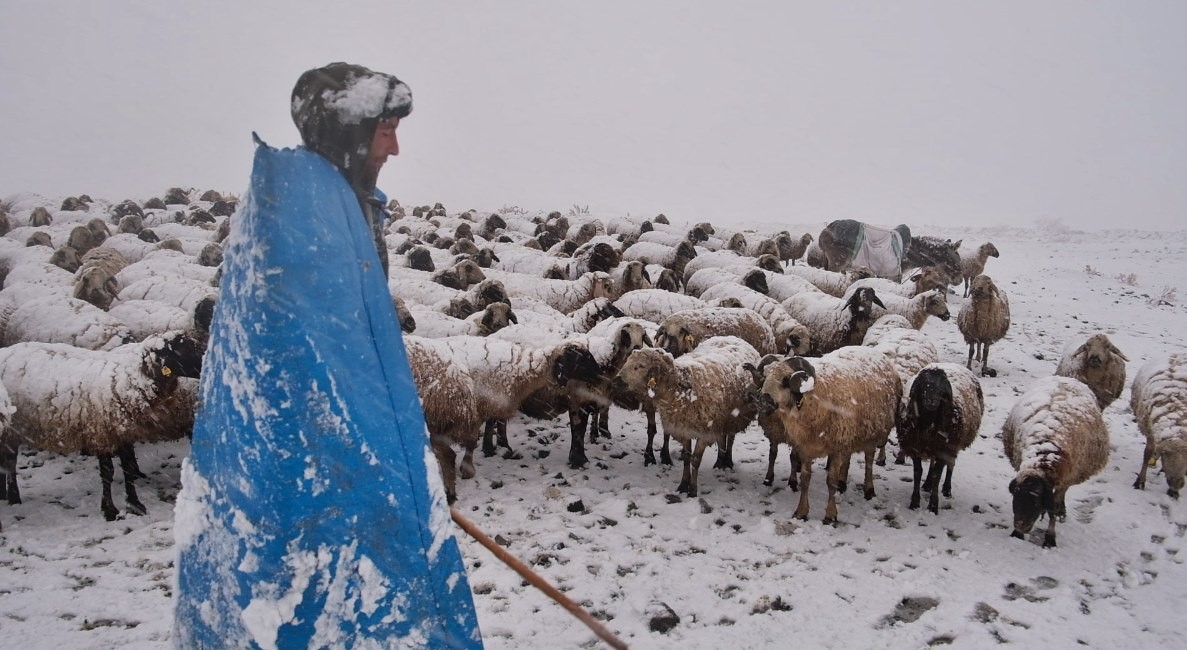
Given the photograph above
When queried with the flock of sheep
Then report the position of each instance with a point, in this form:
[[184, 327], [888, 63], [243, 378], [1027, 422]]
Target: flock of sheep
[[105, 310]]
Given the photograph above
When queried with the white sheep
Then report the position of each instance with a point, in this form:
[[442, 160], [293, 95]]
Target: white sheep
[[700, 397], [983, 319], [918, 281], [564, 295], [185, 293], [939, 417], [433, 324], [835, 406], [57, 319], [834, 322], [1055, 437], [781, 286], [145, 318], [907, 349], [68, 399], [655, 304], [685, 330], [1159, 401], [972, 263], [1098, 363], [790, 333], [674, 258], [834, 283], [915, 309], [750, 277]]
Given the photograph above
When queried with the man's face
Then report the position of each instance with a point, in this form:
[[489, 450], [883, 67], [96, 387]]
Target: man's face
[[383, 144]]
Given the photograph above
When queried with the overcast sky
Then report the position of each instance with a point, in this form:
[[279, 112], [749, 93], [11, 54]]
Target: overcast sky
[[946, 112]]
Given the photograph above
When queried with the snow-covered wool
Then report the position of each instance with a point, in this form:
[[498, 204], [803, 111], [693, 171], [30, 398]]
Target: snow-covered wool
[[629, 277], [58, 319], [837, 405], [454, 302], [14, 253], [673, 239], [983, 319], [672, 257], [700, 397], [1096, 362], [516, 258], [628, 227], [132, 246], [972, 263], [433, 324], [97, 278], [68, 399], [769, 420], [171, 290], [655, 304], [730, 260], [944, 254], [916, 282], [1159, 401], [908, 350], [703, 280], [834, 283], [451, 412], [145, 318], [1055, 437], [563, 295], [685, 330], [938, 418], [781, 286], [42, 273], [16, 294], [834, 322], [915, 309], [790, 334]]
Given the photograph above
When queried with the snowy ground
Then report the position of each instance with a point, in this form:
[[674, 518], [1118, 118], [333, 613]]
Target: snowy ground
[[732, 564]]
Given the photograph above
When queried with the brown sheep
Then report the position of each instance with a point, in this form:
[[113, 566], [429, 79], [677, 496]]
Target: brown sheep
[[983, 320]]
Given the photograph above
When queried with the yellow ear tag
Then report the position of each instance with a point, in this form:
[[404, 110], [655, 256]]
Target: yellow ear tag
[[688, 339], [166, 371], [651, 382], [1153, 461]]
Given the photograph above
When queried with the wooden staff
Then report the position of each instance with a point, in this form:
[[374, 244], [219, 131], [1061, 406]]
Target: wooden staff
[[536, 581]]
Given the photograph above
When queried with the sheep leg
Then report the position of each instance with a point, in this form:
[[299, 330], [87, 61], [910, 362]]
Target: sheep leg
[[684, 479], [882, 455], [577, 419], [949, 465], [836, 469], [603, 421], [128, 462], [868, 488], [1049, 536], [796, 466], [1060, 504], [843, 475], [695, 465], [725, 453], [8, 486], [969, 364], [131, 470], [488, 439], [106, 473], [917, 475], [933, 479], [467, 466], [769, 480], [801, 511], [1139, 484], [986, 371], [446, 459]]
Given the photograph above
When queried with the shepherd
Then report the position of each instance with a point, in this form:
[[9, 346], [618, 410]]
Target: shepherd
[[311, 512]]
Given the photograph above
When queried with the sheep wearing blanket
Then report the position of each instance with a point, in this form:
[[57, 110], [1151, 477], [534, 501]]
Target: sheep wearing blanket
[[1159, 400], [837, 405], [69, 399], [1055, 438], [1098, 363], [700, 397], [939, 416]]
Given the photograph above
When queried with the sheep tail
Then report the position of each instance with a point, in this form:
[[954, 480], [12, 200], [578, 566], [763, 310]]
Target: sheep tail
[[536, 580]]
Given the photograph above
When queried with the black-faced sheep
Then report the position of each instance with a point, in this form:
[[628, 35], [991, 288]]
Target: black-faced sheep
[[1098, 363], [700, 397], [939, 416], [834, 406], [834, 322], [1055, 438], [674, 258], [113, 400], [983, 319], [1159, 401], [790, 334]]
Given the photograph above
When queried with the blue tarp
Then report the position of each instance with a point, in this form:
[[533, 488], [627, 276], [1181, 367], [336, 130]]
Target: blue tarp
[[312, 512]]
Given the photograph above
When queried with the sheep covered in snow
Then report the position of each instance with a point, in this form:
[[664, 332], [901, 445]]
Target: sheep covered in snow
[[834, 322], [835, 406], [655, 304], [1055, 437], [983, 319], [1159, 401], [685, 330], [700, 397], [674, 258], [972, 263], [1098, 363], [790, 333], [938, 418], [915, 309], [96, 280], [68, 399], [57, 319]]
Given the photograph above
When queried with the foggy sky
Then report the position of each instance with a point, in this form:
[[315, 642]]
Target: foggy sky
[[979, 113]]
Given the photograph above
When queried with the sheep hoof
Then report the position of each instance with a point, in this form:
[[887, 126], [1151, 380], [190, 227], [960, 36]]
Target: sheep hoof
[[881, 462], [868, 493], [489, 451], [511, 455], [665, 459], [768, 482], [1017, 535], [934, 509], [110, 513], [648, 459], [830, 521], [1172, 493], [1049, 541], [988, 372], [914, 503], [801, 517], [842, 486], [1139, 484]]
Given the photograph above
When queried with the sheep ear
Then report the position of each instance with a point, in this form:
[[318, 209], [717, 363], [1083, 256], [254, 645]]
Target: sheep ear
[[1080, 351], [511, 317], [647, 340], [1119, 353], [956, 245], [486, 319]]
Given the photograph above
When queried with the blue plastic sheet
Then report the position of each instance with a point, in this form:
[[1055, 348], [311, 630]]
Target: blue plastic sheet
[[312, 512]]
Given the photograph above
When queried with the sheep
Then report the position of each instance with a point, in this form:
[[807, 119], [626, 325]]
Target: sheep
[[834, 283], [161, 264], [833, 322], [460, 276], [458, 304], [983, 320], [674, 258], [145, 318], [836, 405], [799, 247], [814, 256], [728, 259], [700, 397], [564, 295], [179, 292], [655, 304], [939, 416], [1098, 363], [69, 399], [1054, 437], [642, 336], [926, 250], [972, 265], [56, 319], [667, 238], [1159, 401], [65, 257], [447, 396], [685, 330], [434, 324], [769, 420], [704, 279], [780, 287], [96, 279], [919, 281], [908, 350], [629, 277], [790, 334], [916, 309]]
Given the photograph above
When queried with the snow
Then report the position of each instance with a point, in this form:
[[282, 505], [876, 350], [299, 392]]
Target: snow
[[732, 564]]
